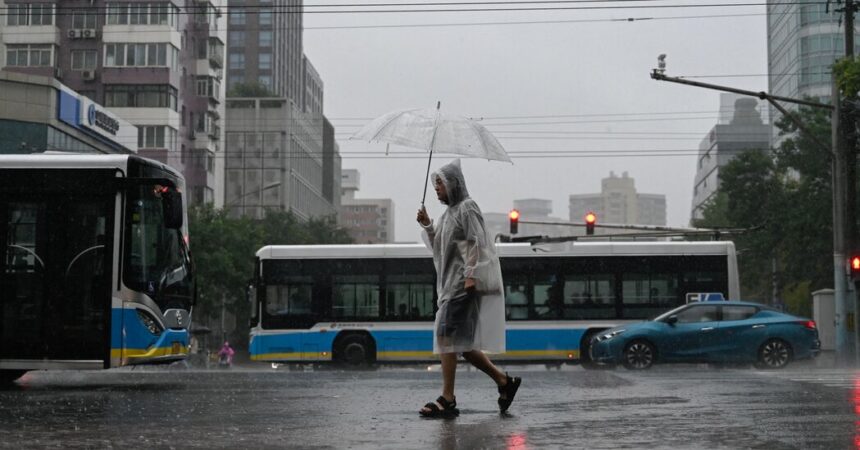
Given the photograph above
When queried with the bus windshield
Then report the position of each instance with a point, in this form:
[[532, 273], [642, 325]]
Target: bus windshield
[[156, 258]]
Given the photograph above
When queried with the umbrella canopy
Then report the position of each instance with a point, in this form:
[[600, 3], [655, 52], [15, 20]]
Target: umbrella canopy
[[428, 129]]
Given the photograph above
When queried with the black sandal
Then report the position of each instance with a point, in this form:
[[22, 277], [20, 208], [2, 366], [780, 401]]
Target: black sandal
[[441, 408], [509, 390]]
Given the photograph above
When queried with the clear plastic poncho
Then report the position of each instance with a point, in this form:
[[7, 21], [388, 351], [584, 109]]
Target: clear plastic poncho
[[462, 249]]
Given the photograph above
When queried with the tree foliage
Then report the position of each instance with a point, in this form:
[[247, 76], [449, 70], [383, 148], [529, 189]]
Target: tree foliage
[[786, 195], [223, 250], [250, 89]]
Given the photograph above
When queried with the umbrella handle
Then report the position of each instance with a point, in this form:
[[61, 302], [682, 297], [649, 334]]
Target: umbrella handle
[[427, 177]]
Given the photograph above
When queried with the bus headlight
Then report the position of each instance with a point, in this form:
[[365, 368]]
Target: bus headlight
[[149, 322]]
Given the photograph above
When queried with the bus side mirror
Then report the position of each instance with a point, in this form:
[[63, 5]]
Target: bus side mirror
[[171, 202], [251, 298], [672, 320]]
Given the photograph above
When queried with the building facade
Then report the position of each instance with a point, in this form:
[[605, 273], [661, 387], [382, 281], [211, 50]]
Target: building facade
[[745, 131], [619, 203], [804, 39], [270, 165], [40, 114], [367, 220], [265, 46], [156, 63]]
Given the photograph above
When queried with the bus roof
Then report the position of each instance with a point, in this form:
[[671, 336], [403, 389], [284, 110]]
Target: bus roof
[[69, 160], [627, 248]]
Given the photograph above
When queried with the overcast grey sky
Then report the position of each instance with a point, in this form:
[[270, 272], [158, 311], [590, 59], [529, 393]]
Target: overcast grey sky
[[587, 69]]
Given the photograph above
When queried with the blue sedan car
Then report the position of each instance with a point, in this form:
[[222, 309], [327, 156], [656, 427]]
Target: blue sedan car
[[712, 332]]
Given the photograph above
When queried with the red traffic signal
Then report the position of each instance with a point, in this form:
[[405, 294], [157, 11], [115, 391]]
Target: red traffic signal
[[514, 215], [854, 266], [590, 219]]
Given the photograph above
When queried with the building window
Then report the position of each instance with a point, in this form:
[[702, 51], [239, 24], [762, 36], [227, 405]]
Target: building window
[[265, 61], [237, 16], [265, 80], [265, 39], [142, 14], [84, 59], [84, 18], [141, 55], [156, 137], [141, 96], [208, 87], [25, 14], [237, 60], [27, 55], [266, 17], [237, 38]]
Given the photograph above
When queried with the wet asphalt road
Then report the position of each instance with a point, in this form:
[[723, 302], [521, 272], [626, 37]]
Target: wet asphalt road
[[669, 407]]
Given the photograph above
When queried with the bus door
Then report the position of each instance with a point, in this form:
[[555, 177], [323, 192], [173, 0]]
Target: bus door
[[55, 264]]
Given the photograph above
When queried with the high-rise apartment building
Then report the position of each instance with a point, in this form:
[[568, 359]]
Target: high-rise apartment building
[[265, 46], [619, 203], [745, 131], [157, 64], [367, 220]]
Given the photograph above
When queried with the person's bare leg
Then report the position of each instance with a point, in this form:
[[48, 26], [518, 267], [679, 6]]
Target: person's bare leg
[[478, 359], [449, 370]]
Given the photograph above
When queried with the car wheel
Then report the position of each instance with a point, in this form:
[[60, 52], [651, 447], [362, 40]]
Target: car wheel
[[355, 350], [774, 354], [639, 355]]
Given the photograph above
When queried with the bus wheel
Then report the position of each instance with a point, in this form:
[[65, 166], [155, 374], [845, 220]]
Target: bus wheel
[[9, 376], [355, 350]]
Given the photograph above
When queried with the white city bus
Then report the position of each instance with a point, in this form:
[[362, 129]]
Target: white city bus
[[95, 270], [366, 303]]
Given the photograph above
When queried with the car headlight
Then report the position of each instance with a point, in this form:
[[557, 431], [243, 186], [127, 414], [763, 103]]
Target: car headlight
[[610, 335]]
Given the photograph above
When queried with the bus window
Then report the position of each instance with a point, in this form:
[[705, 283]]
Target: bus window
[[355, 296], [409, 297], [516, 298], [293, 297], [575, 296], [647, 295]]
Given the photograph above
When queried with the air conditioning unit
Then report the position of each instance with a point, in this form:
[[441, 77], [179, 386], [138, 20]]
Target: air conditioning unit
[[74, 34], [89, 33], [58, 73], [88, 75]]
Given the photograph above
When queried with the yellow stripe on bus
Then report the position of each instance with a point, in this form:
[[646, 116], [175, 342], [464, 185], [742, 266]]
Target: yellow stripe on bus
[[148, 353]]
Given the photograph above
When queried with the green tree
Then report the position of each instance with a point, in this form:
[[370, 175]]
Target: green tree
[[786, 195], [250, 89], [223, 250]]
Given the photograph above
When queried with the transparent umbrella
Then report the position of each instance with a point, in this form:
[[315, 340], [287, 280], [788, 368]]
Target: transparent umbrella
[[429, 129]]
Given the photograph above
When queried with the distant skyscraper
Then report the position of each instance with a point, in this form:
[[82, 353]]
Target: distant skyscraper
[[156, 64], [803, 41], [265, 46], [746, 131], [619, 203]]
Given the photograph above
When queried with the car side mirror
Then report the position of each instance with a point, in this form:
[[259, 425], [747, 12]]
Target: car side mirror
[[672, 320]]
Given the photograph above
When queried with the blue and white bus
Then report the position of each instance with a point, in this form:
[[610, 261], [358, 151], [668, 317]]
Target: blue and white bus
[[95, 270], [360, 304]]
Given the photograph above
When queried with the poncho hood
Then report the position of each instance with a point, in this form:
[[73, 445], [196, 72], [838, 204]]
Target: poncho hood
[[455, 183]]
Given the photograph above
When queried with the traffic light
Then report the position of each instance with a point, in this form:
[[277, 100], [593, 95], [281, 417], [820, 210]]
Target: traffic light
[[514, 215], [854, 267], [590, 219]]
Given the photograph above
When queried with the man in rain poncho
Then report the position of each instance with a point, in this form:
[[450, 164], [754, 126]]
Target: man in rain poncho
[[471, 315]]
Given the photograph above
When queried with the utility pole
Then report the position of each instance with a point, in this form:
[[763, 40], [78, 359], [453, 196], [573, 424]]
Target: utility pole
[[844, 209]]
